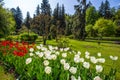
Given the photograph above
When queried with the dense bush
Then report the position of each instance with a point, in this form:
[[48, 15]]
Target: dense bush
[[29, 38], [10, 38], [104, 27], [71, 36], [63, 42]]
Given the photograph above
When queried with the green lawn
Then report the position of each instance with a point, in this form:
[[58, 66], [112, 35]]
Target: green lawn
[[5, 76], [93, 47]]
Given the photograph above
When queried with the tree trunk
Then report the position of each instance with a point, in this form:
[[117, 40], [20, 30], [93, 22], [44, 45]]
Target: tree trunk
[[84, 20], [44, 39]]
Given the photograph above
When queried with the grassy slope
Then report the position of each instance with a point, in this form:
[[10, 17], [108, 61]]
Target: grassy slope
[[4, 76], [105, 49]]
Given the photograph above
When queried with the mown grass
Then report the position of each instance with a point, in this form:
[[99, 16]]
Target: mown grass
[[106, 50], [5, 76]]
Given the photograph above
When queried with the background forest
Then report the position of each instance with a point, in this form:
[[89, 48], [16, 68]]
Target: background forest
[[86, 22]]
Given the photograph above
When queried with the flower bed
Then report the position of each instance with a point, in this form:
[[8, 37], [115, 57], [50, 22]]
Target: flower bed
[[53, 63]]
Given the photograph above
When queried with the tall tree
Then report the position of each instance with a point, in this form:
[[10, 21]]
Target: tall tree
[[1, 2], [91, 15], [45, 7], [81, 13], [17, 13], [46, 14], [6, 22], [59, 20], [101, 10], [27, 22], [107, 10], [37, 10], [18, 18]]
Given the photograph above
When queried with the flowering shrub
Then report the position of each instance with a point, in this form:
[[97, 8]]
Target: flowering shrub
[[53, 63]]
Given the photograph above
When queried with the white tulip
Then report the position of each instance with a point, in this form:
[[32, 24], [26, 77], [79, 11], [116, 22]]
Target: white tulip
[[79, 53], [54, 57], [86, 65], [61, 49], [99, 54], [31, 54], [37, 53], [49, 57], [77, 56], [87, 53], [47, 70], [81, 59], [76, 59], [57, 53], [73, 70], [31, 49], [38, 47], [64, 55], [62, 61], [97, 78], [66, 66], [73, 78], [56, 48], [40, 54], [93, 59], [46, 63], [41, 45], [28, 60], [87, 56], [114, 58], [79, 78], [99, 68], [50, 48], [101, 60], [66, 49]]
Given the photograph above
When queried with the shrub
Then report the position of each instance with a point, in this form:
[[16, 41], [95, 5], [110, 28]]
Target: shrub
[[10, 38], [71, 37], [63, 42], [29, 38], [104, 27]]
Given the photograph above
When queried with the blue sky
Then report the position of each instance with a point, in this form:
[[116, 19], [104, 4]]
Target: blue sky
[[30, 5]]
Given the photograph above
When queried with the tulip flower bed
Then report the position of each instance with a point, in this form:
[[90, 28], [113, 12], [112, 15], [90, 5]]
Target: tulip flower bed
[[53, 63]]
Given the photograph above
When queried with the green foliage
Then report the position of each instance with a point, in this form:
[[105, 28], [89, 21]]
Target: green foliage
[[45, 7], [91, 15], [17, 13], [6, 22], [80, 18], [10, 38], [23, 30], [27, 21], [29, 38], [69, 23], [37, 10], [4, 75], [59, 19], [63, 42], [105, 10], [104, 27], [89, 30], [53, 31], [117, 23], [71, 36]]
